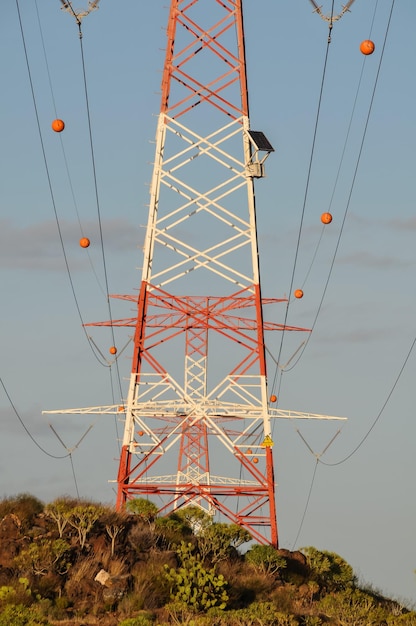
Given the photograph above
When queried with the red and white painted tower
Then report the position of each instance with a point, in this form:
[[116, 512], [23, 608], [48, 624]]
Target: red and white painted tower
[[197, 426], [197, 412]]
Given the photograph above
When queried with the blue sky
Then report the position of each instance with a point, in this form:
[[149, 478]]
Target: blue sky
[[363, 508]]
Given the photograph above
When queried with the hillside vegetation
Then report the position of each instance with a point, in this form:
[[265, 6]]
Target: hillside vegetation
[[76, 563]]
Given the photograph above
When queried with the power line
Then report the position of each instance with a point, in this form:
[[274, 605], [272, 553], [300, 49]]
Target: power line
[[48, 176], [306, 505], [352, 186], [380, 412], [53, 456], [308, 177], [78, 17]]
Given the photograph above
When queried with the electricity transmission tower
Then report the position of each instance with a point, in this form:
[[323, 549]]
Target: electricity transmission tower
[[197, 417]]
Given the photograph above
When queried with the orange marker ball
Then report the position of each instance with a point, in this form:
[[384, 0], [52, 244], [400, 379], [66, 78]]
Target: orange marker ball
[[255, 460], [113, 350], [326, 218], [273, 398], [140, 433], [367, 47], [298, 293], [84, 242], [58, 126]]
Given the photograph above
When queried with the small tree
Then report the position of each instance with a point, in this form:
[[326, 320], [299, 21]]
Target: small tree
[[265, 559], [143, 508], [60, 512], [195, 517], [113, 530], [217, 539], [83, 518], [169, 531], [115, 524]]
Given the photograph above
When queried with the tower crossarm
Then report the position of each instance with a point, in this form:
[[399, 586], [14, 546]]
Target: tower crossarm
[[281, 413], [214, 313], [214, 480], [174, 409]]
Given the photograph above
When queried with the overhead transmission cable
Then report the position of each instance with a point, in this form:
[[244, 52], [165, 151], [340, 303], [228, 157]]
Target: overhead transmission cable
[[380, 413], [318, 457], [71, 186], [53, 456], [357, 447], [90, 343], [352, 186], [78, 18], [48, 175], [308, 177], [306, 505]]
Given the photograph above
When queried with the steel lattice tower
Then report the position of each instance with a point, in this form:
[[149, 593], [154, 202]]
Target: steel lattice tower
[[197, 417], [201, 234]]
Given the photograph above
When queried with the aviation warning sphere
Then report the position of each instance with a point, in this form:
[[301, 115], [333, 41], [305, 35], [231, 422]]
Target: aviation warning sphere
[[113, 350], [84, 242], [367, 47], [58, 126], [326, 218], [298, 293], [273, 398]]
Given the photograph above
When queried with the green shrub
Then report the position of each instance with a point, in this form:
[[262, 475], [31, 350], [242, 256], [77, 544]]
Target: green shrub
[[25, 506], [18, 592], [329, 570], [19, 615], [259, 614], [194, 586], [145, 509], [355, 606], [140, 620], [311, 620], [407, 619], [170, 531]]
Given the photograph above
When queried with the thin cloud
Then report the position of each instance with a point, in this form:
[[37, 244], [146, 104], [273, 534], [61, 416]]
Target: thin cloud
[[404, 225], [374, 261], [357, 336], [38, 246]]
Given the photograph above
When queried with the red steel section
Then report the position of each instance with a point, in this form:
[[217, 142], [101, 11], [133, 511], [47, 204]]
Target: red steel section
[[177, 61]]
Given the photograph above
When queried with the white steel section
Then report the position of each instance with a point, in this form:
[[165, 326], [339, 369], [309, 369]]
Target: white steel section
[[195, 378], [154, 197], [170, 172], [256, 266], [198, 141], [128, 436], [251, 206]]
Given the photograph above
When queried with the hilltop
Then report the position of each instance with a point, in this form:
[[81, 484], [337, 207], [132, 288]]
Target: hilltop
[[77, 563]]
